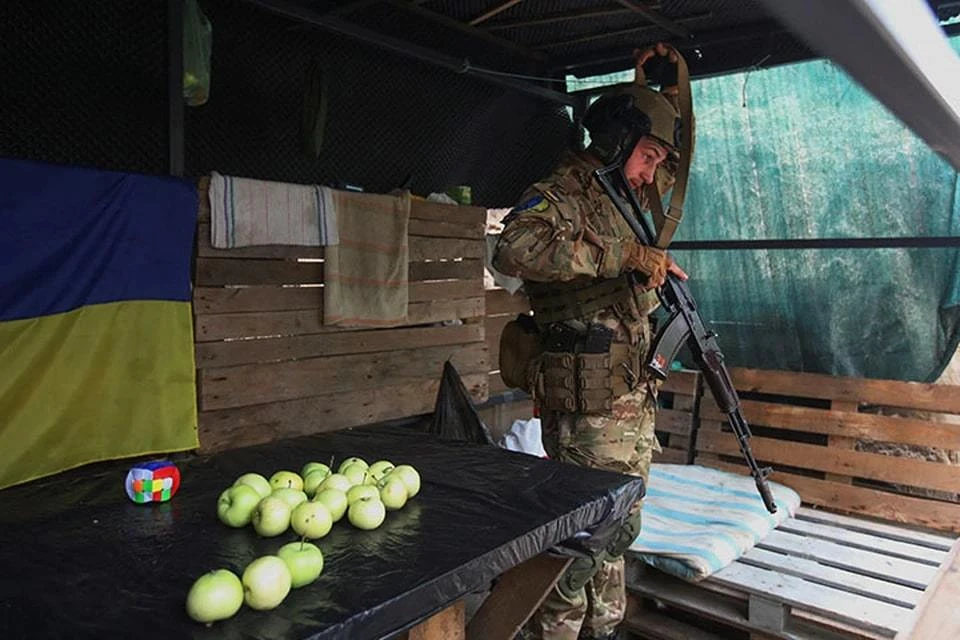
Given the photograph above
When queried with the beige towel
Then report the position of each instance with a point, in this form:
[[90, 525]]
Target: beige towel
[[365, 275]]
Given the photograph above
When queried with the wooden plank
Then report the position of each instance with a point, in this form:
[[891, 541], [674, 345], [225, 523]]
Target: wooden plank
[[867, 541], [892, 507], [494, 327], [684, 382], [889, 393], [218, 272], [235, 352], [833, 577], [420, 248], [875, 565], [845, 607], [881, 529], [243, 426], [438, 229], [458, 214], [861, 426], [673, 421], [446, 625], [937, 615], [223, 271], [647, 623], [306, 321], [280, 298], [225, 387], [446, 270], [671, 456], [766, 613], [500, 302], [876, 466], [517, 594]]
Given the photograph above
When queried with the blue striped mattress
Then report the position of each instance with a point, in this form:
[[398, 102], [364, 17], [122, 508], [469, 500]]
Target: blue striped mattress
[[698, 520]]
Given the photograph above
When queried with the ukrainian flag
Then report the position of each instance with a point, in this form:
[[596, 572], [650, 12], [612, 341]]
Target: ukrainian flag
[[96, 337]]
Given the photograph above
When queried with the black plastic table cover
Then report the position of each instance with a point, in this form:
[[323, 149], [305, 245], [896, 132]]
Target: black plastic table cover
[[78, 559]]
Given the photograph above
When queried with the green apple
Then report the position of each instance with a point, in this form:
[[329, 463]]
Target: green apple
[[410, 477], [216, 595], [393, 493], [361, 491], [355, 473], [271, 517], [257, 481], [378, 470], [266, 582], [304, 560], [286, 480], [334, 500], [336, 481], [313, 480], [352, 460], [311, 520], [367, 513], [310, 467], [292, 497], [235, 505]]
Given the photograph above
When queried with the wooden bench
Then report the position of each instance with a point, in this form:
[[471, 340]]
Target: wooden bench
[[876, 450]]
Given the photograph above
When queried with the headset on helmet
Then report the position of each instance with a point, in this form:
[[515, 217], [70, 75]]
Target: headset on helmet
[[617, 120]]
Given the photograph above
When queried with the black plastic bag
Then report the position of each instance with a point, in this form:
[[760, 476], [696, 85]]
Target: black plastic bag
[[454, 415]]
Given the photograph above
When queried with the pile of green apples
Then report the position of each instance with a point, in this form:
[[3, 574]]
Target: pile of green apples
[[310, 503]]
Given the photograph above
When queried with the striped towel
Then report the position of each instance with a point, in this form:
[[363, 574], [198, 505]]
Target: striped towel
[[698, 520], [365, 276], [246, 212]]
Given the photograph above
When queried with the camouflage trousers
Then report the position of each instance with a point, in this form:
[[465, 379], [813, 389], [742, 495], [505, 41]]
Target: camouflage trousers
[[622, 442]]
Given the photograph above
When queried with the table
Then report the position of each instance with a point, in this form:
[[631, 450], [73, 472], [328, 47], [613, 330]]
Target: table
[[78, 559]]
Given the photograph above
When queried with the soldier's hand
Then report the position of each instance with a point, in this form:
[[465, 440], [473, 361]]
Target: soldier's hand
[[675, 269], [650, 261], [659, 62]]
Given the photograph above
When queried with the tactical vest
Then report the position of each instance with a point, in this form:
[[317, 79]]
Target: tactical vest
[[581, 298]]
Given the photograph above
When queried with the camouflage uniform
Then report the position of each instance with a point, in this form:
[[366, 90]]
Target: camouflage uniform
[[544, 241]]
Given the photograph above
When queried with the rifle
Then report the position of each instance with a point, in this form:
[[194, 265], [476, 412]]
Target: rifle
[[686, 327]]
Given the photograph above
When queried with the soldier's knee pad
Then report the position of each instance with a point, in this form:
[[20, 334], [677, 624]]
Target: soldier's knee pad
[[579, 573], [627, 533]]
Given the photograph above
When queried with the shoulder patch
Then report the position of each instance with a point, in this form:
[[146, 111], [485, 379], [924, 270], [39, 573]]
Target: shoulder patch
[[536, 203], [551, 195]]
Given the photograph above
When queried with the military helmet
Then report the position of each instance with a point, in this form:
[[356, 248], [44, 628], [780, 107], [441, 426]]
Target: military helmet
[[617, 120]]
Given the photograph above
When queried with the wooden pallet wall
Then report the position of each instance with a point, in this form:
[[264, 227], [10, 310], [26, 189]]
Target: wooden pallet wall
[[679, 393], [268, 368], [836, 441]]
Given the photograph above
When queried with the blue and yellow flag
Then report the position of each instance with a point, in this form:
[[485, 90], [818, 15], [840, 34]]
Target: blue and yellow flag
[[96, 338]]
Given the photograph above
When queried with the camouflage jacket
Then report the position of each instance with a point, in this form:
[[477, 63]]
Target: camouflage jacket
[[543, 241]]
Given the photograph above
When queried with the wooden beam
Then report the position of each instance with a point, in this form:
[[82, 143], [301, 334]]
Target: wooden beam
[[450, 23], [655, 17], [604, 34], [500, 8], [517, 594], [560, 17]]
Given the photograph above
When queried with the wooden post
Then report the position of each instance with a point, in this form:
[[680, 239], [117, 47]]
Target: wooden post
[[446, 625], [515, 597]]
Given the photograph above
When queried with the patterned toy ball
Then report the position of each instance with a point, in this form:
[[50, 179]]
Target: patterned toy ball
[[155, 481]]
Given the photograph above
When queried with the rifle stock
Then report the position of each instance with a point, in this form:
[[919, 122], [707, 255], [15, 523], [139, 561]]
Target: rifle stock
[[686, 327]]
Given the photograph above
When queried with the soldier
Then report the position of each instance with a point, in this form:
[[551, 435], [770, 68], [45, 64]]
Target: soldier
[[592, 286]]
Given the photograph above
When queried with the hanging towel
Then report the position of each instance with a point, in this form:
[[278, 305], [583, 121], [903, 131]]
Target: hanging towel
[[246, 212], [365, 275]]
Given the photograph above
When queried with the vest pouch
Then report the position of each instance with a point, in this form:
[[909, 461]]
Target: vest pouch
[[594, 383], [557, 375], [519, 349]]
